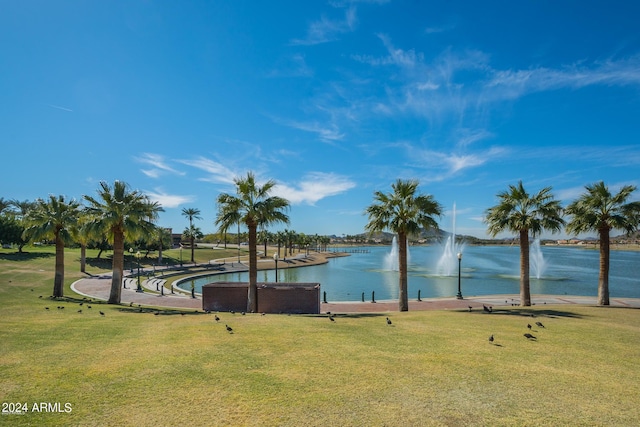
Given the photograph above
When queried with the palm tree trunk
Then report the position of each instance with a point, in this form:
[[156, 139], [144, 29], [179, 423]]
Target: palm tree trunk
[[118, 267], [403, 299], [252, 299], [193, 243], [603, 279], [525, 292], [58, 281], [83, 257]]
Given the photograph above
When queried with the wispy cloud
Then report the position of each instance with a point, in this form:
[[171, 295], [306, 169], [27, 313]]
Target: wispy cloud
[[328, 132], [168, 200], [328, 30], [442, 165], [454, 83], [158, 163], [292, 66], [57, 107], [314, 186], [217, 172]]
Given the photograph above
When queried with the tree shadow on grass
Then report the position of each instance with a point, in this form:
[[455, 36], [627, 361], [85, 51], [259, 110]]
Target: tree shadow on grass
[[25, 256], [526, 312]]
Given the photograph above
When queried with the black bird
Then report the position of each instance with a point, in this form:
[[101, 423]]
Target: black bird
[[88, 306], [332, 319], [470, 308], [46, 308], [487, 309], [528, 326], [491, 338], [232, 312], [80, 303], [40, 296], [217, 318], [156, 313], [243, 313], [529, 336], [79, 311], [388, 321], [101, 313], [229, 329], [540, 324], [328, 312]]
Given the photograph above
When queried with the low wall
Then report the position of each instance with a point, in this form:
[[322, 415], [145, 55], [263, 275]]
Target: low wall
[[295, 298]]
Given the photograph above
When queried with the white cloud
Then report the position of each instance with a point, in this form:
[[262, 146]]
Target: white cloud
[[327, 133], [217, 173], [158, 164], [168, 200], [328, 30], [314, 187]]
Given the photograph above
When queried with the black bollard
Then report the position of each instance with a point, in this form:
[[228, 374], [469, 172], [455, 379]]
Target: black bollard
[[363, 297], [324, 297], [419, 295], [373, 296], [162, 290]]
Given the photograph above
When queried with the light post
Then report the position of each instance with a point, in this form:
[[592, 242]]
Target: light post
[[459, 296], [275, 258], [139, 287], [131, 261], [181, 255]]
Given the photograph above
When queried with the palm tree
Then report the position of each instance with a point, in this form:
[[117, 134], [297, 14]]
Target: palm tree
[[252, 206], [600, 211], [191, 213], [192, 233], [53, 219], [162, 236], [120, 214], [519, 212], [402, 212]]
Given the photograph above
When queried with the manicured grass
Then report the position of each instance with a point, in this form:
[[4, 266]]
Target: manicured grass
[[428, 368]]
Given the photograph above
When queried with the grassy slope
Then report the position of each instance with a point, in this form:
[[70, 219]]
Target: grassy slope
[[428, 368]]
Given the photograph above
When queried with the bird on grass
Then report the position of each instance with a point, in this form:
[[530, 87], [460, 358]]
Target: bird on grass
[[528, 326], [332, 319], [540, 324], [79, 311], [388, 321], [470, 308], [229, 329], [487, 309], [232, 312], [529, 336], [491, 339], [88, 306], [101, 313], [217, 318], [46, 308], [243, 313]]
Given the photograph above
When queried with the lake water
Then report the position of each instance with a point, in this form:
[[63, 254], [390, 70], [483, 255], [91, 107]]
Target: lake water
[[486, 270]]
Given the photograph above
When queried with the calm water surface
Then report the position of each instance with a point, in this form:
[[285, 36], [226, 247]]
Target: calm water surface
[[486, 270]]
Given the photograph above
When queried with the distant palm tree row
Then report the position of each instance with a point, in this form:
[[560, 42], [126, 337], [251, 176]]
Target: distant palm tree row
[[118, 214]]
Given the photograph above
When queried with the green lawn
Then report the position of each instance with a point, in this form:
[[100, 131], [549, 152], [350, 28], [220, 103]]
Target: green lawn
[[428, 368]]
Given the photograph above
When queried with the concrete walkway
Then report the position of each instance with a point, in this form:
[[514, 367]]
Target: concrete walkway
[[98, 288]]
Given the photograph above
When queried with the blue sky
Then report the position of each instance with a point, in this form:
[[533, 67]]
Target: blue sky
[[332, 99]]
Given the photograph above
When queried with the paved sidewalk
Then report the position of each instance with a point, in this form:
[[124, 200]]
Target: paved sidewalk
[[99, 287]]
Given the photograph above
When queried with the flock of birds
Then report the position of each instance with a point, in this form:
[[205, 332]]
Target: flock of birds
[[527, 335], [330, 316]]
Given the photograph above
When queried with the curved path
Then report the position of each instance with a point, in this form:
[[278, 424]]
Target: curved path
[[98, 287]]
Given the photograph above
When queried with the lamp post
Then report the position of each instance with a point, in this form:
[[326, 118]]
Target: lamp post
[[275, 258], [131, 261], [139, 287], [459, 296], [180, 255]]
